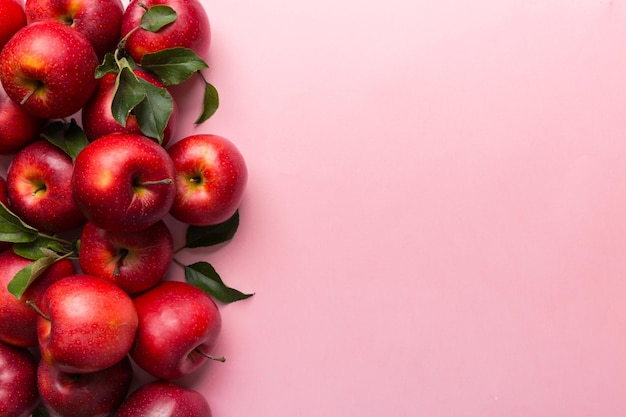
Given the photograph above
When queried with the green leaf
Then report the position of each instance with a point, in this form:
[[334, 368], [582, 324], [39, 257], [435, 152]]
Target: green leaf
[[129, 93], [156, 17], [210, 103], [204, 276], [13, 229], [69, 137], [173, 65], [20, 282], [203, 236], [40, 248], [154, 111], [108, 66]]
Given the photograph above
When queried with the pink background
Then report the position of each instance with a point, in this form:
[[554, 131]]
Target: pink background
[[435, 222]]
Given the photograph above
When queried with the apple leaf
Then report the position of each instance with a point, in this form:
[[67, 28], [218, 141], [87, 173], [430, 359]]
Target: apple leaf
[[20, 282], [13, 229], [69, 137], [154, 111], [204, 276], [108, 66], [128, 94], [210, 103], [156, 17], [203, 236], [41, 247], [173, 65]]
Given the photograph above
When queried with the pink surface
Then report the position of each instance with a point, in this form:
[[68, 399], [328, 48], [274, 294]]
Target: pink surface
[[435, 223]]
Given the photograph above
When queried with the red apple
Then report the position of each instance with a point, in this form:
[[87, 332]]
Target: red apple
[[164, 399], [98, 121], [86, 324], [12, 19], [18, 128], [18, 382], [178, 328], [123, 182], [17, 319], [211, 177], [49, 68], [190, 30], [99, 20], [135, 261], [94, 394], [38, 185]]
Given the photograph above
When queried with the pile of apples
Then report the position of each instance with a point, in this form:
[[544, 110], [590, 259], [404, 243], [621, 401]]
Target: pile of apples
[[95, 178]]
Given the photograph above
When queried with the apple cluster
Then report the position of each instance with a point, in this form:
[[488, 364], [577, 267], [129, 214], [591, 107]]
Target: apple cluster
[[95, 179]]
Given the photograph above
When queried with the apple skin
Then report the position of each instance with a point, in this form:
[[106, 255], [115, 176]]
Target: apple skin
[[17, 319], [190, 30], [135, 261], [164, 399], [123, 182], [38, 186], [99, 20], [89, 324], [98, 121], [175, 319], [18, 128], [49, 67], [12, 19], [18, 382], [211, 177], [94, 394]]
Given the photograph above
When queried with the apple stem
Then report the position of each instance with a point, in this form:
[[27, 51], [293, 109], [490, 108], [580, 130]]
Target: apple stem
[[206, 355], [118, 264], [163, 181], [28, 96], [32, 305]]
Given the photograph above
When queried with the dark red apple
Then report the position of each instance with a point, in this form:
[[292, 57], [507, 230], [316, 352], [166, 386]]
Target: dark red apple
[[190, 30], [211, 177], [12, 19], [164, 399], [178, 328], [17, 319], [18, 382], [135, 261], [94, 394], [38, 185], [99, 20], [48, 67], [18, 127], [98, 121], [86, 324], [123, 182]]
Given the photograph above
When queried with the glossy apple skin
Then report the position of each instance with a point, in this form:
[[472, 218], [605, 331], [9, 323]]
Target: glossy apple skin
[[58, 60], [135, 261], [175, 318], [164, 399], [107, 177], [38, 187], [17, 319], [98, 121], [190, 30], [211, 177], [18, 128], [12, 19], [99, 20], [95, 394], [90, 324], [18, 382]]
